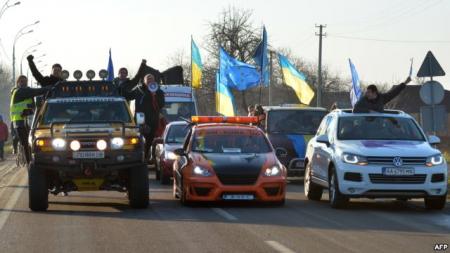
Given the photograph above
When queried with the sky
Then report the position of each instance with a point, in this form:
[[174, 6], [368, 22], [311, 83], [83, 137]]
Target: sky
[[379, 36]]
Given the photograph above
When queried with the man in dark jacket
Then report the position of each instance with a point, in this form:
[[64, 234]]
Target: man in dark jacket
[[373, 101], [123, 82], [149, 99], [50, 80], [22, 106]]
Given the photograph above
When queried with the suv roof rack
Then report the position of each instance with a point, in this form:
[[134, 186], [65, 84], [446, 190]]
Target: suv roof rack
[[66, 89]]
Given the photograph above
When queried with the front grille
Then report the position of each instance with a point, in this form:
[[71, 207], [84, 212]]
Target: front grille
[[238, 179], [382, 179], [202, 191], [389, 160], [352, 176]]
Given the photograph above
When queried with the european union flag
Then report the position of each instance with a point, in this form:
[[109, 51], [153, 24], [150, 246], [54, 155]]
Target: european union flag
[[110, 68], [355, 92], [262, 60], [235, 74]]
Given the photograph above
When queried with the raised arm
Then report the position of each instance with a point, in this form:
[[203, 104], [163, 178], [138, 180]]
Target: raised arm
[[34, 71], [139, 75], [394, 91]]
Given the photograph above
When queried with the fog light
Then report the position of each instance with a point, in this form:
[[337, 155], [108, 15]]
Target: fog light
[[101, 145], [55, 159], [120, 158], [75, 145]]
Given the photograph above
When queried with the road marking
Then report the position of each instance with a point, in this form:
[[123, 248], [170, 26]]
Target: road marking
[[279, 247], [12, 200], [225, 214]]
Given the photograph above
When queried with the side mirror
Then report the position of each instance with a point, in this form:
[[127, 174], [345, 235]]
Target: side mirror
[[323, 139], [158, 140], [433, 140], [280, 152], [140, 118], [179, 152]]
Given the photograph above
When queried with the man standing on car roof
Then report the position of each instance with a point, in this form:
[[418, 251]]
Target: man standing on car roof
[[149, 99], [21, 106], [50, 80], [123, 82], [373, 101]]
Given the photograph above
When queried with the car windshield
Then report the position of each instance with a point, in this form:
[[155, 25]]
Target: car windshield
[[174, 111], [294, 121], [230, 141], [86, 112], [177, 133], [378, 128]]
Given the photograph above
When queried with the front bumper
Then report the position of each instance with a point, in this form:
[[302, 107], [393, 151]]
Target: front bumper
[[266, 189], [373, 184], [295, 166]]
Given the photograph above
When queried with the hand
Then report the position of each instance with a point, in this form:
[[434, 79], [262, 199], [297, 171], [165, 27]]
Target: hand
[[30, 57], [407, 80], [144, 61]]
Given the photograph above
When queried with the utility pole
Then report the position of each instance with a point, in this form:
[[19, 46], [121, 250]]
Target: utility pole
[[319, 85]]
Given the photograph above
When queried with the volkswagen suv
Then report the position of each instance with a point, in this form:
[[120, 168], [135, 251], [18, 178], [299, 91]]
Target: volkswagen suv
[[374, 155]]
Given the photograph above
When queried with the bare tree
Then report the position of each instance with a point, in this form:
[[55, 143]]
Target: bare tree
[[5, 88], [235, 32]]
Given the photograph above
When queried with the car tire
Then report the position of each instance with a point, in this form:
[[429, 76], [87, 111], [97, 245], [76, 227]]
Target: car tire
[[337, 199], [312, 190], [138, 190], [435, 203], [37, 191], [163, 179]]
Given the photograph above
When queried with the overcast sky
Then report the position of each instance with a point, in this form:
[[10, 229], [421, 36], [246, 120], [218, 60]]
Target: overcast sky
[[78, 34]]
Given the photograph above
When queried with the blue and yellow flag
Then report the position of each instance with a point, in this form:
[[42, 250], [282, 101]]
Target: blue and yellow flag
[[236, 74], [196, 66], [296, 80], [224, 98], [261, 59]]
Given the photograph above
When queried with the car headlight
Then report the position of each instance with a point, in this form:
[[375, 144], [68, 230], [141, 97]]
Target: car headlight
[[199, 171], [354, 159], [59, 144], [435, 160], [117, 143], [171, 155], [272, 171], [75, 145], [101, 145]]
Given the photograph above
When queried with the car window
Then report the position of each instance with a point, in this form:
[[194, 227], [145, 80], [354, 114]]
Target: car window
[[176, 134], [86, 112], [174, 111], [324, 125], [294, 121], [230, 141], [378, 128]]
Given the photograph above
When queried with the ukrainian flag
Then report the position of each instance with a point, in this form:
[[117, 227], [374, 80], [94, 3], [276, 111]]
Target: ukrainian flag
[[296, 80], [224, 99], [196, 66]]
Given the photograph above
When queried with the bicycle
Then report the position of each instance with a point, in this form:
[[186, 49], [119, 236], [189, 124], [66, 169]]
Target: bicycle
[[21, 160]]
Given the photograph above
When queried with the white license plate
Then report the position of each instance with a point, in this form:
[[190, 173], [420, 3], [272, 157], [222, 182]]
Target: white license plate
[[89, 155], [238, 197], [398, 171]]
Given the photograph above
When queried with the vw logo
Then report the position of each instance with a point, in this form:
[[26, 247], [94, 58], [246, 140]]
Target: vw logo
[[398, 161]]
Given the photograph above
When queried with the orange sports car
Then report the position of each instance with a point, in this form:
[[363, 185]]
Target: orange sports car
[[226, 159]]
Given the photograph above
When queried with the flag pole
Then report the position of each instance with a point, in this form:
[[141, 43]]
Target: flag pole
[[190, 70]]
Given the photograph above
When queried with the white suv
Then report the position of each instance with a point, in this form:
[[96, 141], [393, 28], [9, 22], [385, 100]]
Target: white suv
[[374, 155]]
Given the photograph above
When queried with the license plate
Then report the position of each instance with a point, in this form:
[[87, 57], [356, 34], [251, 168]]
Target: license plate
[[238, 197], [299, 164], [88, 184], [89, 155], [398, 171]]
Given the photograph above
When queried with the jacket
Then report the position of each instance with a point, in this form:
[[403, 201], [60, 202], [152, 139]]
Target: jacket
[[144, 103], [42, 80], [128, 84], [24, 94], [3, 131], [365, 105]]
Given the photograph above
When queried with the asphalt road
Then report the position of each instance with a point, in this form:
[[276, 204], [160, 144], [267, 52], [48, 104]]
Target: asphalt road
[[103, 222]]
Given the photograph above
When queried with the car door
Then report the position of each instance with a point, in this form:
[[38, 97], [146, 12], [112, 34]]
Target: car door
[[316, 150], [182, 161]]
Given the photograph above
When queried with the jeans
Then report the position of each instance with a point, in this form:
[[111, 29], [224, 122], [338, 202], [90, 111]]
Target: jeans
[[23, 132]]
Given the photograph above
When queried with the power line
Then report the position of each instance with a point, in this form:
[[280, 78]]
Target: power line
[[389, 40]]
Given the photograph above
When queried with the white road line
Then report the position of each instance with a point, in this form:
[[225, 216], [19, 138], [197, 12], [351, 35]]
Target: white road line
[[279, 247], [12, 199], [225, 214]]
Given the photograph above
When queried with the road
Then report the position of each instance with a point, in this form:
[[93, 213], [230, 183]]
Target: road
[[103, 222]]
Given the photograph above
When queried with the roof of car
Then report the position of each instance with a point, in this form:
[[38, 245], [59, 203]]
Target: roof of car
[[84, 99], [349, 112], [226, 125], [293, 107], [177, 123]]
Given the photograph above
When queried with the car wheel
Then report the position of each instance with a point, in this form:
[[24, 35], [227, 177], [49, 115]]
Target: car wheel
[[138, 192], [312, 190], [37, 192], [337, 199], [163, 179], [435, 203]]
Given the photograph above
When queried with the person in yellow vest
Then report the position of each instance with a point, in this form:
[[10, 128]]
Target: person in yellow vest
[[21, 106]]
